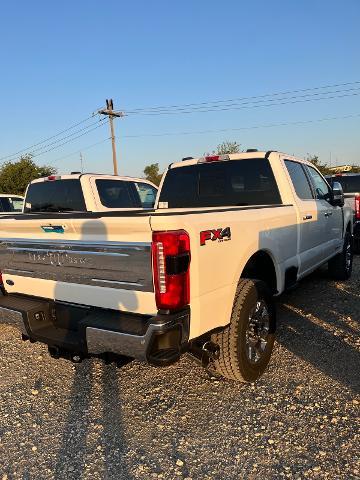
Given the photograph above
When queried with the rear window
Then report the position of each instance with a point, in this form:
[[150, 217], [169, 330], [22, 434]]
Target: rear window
[[11, 204], [55, 196], [350, 184], [227, 183], [117, 194]]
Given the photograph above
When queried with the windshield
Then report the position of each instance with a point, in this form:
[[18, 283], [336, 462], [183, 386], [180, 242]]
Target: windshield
[[349, 183], [228, 183], [55, 196]]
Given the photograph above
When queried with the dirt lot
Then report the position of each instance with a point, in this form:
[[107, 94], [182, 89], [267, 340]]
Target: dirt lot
[[97, 422]]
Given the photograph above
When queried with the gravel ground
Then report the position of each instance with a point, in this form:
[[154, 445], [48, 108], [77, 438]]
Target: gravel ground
[[93, 421]]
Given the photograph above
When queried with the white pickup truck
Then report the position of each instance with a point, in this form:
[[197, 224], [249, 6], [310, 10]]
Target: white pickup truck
[[197, 274], [79, 192]]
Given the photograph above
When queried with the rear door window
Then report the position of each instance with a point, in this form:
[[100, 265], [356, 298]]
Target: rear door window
[[117, 194], [147, 194], [299, 180], [226, 183], [55, 196], [17, 203], [11, 204]]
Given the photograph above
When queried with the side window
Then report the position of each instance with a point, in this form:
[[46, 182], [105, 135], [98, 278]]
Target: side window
[[115, 193], [322, 190], [299, 180], [147, 194]]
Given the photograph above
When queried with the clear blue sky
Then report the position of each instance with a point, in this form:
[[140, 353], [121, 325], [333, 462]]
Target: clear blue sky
[[60, 60]]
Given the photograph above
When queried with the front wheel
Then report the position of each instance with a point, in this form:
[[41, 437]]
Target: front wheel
[[247, 342], [340, 266]]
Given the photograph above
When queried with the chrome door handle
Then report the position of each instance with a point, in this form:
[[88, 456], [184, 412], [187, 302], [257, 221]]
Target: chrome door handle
[[307, 217], [328, 214]]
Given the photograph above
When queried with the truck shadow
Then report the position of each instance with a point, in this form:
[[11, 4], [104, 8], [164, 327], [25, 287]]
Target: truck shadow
[[320, 334], [77, 444], [73, 442], [84, 422]]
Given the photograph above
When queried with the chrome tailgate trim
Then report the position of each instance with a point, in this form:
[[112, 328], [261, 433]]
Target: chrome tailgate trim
[[117, 265]]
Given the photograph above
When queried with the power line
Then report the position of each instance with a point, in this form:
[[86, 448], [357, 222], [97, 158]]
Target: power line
[[48, 138], [240, 99], [60, 140], [247, 106], [68, 141], [87, 147], [201, 132]]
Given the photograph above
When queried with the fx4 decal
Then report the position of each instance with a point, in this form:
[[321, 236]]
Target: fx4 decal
[[219, 234]]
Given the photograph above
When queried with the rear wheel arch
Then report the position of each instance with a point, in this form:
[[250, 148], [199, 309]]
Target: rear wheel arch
[[261, 266]]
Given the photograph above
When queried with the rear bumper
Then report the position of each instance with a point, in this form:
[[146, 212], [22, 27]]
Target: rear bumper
[[78, 331]]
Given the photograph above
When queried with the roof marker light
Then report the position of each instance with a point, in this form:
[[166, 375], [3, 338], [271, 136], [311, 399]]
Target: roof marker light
[[213, 158], [51, 178]]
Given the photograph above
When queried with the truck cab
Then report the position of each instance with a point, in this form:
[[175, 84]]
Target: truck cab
[[88, 192]]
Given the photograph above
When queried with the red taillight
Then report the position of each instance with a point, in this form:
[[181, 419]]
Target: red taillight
[[171, 260], [357, 207], [1, 279]]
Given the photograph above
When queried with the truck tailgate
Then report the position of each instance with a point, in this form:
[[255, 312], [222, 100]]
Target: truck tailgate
[[103, 261]]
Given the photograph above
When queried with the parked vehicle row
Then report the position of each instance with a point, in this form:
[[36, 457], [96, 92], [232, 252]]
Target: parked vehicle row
[[197, 274]]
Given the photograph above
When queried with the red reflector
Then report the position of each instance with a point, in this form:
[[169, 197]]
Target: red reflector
[[357, 207], [172, 290]]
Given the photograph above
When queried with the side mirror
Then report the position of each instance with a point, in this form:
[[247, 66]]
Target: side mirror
[[337, 197]]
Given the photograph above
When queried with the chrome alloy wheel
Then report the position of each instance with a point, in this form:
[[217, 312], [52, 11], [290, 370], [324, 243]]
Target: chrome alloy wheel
[[257, 332]]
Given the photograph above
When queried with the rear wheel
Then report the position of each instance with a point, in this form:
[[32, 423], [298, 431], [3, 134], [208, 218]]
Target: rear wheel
[[247, 342], [340, 266]]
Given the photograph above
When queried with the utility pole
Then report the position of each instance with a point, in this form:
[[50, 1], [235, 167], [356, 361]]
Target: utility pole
[[109, 111], [81, 162]]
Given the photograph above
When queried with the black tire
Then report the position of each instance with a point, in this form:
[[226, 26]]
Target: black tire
[[340, 266], [233, 340]]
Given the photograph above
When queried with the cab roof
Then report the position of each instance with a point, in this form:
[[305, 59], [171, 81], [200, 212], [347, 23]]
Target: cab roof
[[234, 156], [77, 176]]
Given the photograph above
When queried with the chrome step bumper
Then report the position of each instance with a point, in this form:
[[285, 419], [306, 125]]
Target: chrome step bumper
[[77, 330]]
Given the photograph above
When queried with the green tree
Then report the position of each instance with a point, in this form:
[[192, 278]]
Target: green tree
[[15, 176], [227, 147], [152, 173], [323, 167]]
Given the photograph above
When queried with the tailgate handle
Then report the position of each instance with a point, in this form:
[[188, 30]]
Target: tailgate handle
[[53, 228], [307, 217]]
